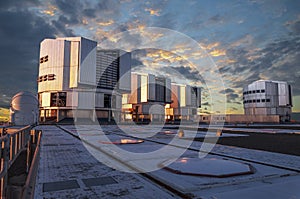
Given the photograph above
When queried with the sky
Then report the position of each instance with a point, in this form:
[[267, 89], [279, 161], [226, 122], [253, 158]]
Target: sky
[[246, 40]]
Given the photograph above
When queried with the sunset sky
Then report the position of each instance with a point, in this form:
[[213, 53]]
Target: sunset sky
[[247, 40]]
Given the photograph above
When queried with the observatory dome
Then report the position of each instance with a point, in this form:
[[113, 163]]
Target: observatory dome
[[24, 101], [24, 109]]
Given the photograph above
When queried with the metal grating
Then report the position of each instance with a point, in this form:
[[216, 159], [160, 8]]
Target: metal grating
[[89, 182], [60, 185]]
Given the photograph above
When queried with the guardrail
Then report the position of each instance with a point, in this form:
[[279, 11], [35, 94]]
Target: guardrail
[[28, 189], [12, 145]]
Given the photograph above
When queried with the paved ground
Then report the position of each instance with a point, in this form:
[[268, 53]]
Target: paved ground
[[253, 185], [67, 170]]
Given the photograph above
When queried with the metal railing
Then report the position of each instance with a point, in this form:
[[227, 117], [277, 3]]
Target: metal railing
[[12, 145], [34, 154]]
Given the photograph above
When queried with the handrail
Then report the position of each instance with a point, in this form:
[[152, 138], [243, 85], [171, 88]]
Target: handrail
[[4, 154], [12, 144], [28, 189]]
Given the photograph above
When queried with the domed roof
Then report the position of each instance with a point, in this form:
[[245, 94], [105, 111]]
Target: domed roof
[[25, 101]]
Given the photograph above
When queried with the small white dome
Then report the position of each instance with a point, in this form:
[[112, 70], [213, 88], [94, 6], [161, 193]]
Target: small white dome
[[24, 101], [24, 109]]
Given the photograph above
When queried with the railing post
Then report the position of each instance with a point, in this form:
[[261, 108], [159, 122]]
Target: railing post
[[12, 147], [3, 131], [2, 167], [30, 147], [5, 166], [28, 159]]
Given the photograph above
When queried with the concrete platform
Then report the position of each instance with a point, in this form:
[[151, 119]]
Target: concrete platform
[[201, 186], [68, 170]]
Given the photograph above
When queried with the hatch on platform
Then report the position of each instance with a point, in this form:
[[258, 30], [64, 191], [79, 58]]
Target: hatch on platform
[[210, 167]]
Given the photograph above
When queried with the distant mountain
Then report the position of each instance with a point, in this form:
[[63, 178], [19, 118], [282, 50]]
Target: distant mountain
[[296, 117], [4, 114]]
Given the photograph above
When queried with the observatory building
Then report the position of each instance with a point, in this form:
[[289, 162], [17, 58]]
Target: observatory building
[[185, 103], [148, 97], [155, 98], [77, 80], [266, 97], [24, 109]]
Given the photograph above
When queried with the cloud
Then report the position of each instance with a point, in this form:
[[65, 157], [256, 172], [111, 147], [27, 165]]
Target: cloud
[[108, 6], [84, 13], [294, 25], [136, 62], [8, 4], [50, 10], [277, 60], [210, 46], [206, 104], [231, 96], [188, 73], [233, 35], [217, 53], [89, 12], [245, 41], [158, 56], [213, 49], [228, 90], [216, 19], [232, 110], [106, 23], [60, 26], [21, 33], [153, 11], [181, 75], [70, 11], [166, 20], [280, 61], [240, 21]]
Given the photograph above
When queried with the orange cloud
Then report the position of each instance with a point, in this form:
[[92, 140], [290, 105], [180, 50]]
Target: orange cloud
[[152, 11], [227, 61], [85, 21], [217, 53], [106, 23], [210, 46], [212, 49], [50, 10]]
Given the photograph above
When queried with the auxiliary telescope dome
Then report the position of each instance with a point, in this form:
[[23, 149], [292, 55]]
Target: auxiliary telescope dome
[[24, 109]]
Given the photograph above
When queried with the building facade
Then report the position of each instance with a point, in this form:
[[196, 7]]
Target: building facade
[[73, 80], [113, 76], [148, 97], [265, 97], [113, 70], [186, 101]]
